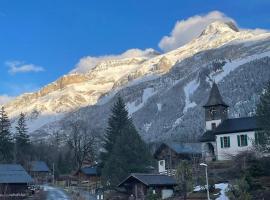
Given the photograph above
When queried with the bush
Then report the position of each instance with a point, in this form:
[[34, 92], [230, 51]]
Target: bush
[[151, 196]]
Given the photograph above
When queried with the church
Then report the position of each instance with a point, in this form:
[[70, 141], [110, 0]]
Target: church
[[224, 137]]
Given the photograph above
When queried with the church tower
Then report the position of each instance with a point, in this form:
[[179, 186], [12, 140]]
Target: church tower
[[216, 110]]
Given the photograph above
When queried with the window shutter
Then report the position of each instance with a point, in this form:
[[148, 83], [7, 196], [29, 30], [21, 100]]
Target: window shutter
[[256, 138], [229, 144], [238, 140], [221, 142]]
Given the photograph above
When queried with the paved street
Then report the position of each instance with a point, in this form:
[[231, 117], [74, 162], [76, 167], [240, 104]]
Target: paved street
[[55, 193]]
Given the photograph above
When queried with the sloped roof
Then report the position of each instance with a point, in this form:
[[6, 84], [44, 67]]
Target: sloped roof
[[13, 173], [208, 136], [181, 148], [215, 97], [39, 166], [150, 179], [89, 170], [235, 125]]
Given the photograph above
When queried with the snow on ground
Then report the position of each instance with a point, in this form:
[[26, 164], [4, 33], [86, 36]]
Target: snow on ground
[[55, 193], [147, 93], [230, 66], [159, 106], [177, 121], [223, 187], [189, 89], [147, 126]]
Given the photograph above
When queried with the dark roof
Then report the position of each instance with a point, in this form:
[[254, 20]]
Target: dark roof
[[89, 170], [39, 166], [150, 179], [237, 125], [215, 97], [181, 148], [208, 136], [13, 173]]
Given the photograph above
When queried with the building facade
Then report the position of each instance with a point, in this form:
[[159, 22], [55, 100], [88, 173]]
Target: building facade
[[169, 155], [223, 137]]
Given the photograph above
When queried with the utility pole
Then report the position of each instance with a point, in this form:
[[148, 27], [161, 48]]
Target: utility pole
[[206, 177], [53, 173]]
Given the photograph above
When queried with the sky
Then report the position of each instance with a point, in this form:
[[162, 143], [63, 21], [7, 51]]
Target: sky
[[41, 40]]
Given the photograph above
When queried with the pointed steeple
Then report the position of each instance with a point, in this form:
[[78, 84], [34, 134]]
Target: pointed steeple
[[215, 98]]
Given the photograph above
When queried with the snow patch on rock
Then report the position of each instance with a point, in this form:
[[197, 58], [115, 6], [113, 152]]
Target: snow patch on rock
[[134, 107], [189, 89]]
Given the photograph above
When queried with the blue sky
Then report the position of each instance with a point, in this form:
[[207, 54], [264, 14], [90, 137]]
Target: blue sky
[[41, 40]]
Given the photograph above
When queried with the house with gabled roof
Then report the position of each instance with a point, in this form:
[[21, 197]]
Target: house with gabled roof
[[169, 155], [13, 179], [226, 137], [40, 171], [139, 184], [89, 175]]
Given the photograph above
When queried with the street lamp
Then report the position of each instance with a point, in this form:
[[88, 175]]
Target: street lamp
[[206, 177]]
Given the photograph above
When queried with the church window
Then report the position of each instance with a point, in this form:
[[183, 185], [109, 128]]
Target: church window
[[213, 126], [225, 142], [242, 140]]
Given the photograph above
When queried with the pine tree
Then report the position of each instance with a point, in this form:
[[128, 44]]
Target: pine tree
[[22, 141], [6, 145], [116, 123], [126, 151], [263, 115]]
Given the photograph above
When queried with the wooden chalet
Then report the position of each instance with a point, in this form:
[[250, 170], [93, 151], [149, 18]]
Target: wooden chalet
[[89, 175], [169, 155], [40, 171], [14, 180], [138, 185]]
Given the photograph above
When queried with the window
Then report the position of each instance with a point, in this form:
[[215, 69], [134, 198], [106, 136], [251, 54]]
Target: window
[[213, 126], [242, 140], [225, 142]]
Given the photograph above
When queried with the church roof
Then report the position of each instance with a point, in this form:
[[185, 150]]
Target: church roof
[[215, 97], [208, 136], [236, 125]]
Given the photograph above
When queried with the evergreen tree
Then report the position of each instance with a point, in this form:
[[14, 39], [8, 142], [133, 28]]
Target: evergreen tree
[[263, 113], [5, 137], [126, 151], [22, 141], [117, 122], [184, 177]]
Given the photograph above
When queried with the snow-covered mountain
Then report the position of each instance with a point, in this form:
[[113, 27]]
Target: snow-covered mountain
[[163, 92]]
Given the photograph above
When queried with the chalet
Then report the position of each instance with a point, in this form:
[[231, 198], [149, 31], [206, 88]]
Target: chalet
[[169, 155], [139, 185], [89, 175], [224, 137], [13, 180], [40, 171]]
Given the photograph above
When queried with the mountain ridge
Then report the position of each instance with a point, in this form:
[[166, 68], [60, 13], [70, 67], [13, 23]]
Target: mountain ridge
[[97, 87]]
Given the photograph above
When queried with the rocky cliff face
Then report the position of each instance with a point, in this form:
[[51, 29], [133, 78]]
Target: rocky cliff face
[[164, 93]]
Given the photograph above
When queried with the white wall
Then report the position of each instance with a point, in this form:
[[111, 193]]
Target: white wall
[[208, 124], [225, 153]]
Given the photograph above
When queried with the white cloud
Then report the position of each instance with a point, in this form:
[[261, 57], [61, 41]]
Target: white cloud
[[21, 67], [185, 30], [5, 99], [87, 63]]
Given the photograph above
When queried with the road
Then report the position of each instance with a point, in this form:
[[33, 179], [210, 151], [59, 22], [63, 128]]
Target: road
[[55, 193]]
